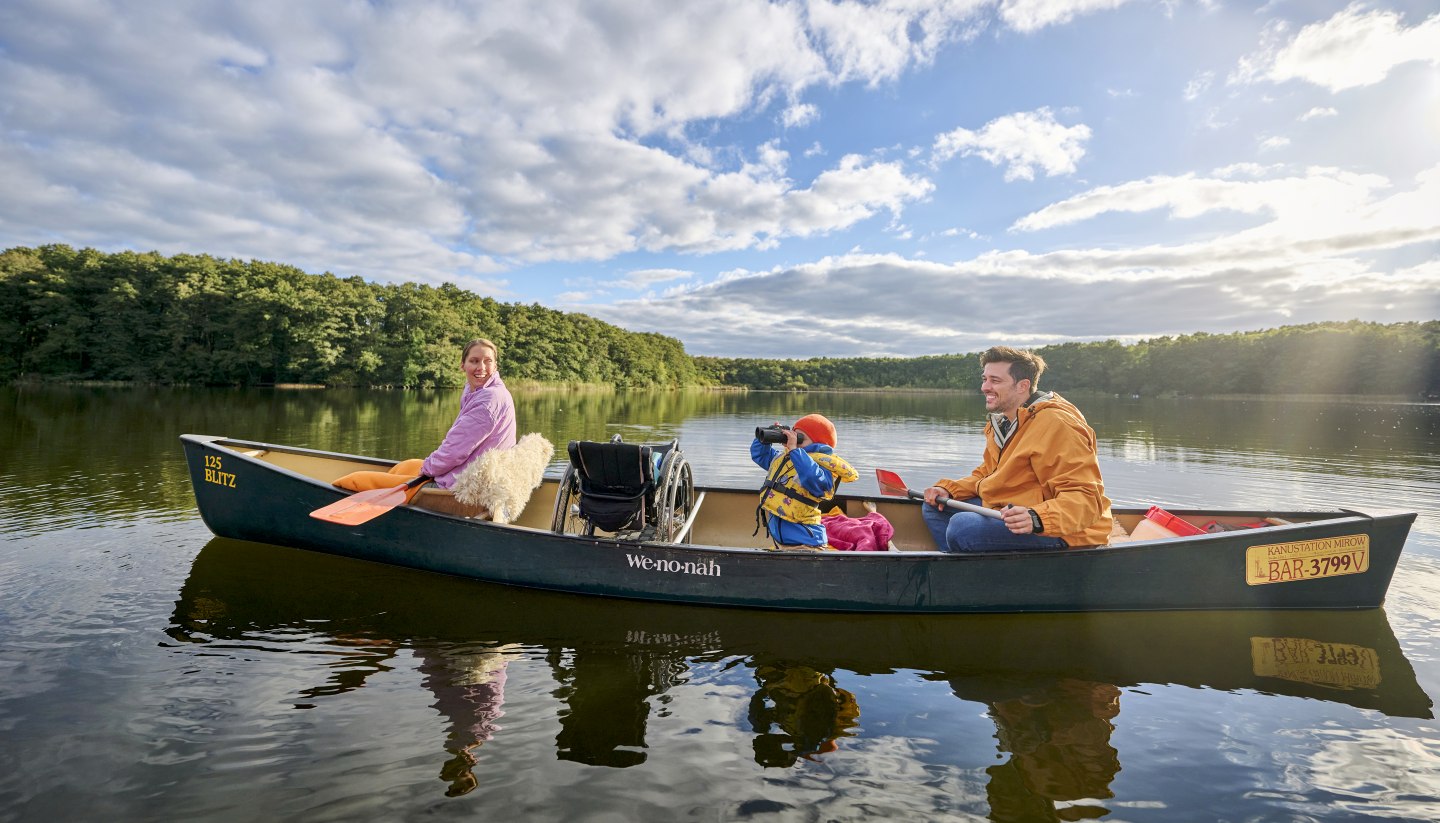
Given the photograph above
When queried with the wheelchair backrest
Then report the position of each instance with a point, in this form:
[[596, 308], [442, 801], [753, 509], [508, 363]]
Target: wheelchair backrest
[[619, 487], [612, 469], [616, 482]]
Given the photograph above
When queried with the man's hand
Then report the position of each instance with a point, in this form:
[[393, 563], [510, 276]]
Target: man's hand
[[1017, 520], [936, 496]]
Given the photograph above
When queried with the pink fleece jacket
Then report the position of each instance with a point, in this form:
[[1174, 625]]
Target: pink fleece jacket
[[486, 421]]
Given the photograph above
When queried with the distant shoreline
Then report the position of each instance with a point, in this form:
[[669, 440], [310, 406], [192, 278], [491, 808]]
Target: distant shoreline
[[527, 385]]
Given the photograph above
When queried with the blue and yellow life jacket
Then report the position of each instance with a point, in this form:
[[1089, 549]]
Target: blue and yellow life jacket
[[782, 495]]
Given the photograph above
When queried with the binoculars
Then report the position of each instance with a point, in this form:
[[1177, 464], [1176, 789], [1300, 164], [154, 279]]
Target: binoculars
[[773, 433]]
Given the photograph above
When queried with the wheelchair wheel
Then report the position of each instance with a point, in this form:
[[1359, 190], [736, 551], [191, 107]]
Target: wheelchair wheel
[[674, 496], [566, 518]]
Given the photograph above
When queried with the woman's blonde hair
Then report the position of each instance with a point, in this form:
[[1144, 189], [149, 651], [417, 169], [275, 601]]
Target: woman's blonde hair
[[479, 341]]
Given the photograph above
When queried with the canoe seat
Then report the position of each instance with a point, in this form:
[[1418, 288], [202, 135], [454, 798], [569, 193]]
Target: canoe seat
[[436, 499], [1118, 533], [640, 491]]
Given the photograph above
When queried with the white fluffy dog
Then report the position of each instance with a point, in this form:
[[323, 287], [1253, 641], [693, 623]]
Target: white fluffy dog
[[502, 479]]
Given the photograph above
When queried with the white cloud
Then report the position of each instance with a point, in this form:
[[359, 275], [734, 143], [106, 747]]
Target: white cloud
[[1318, 112], [1245, 170], [1032, 15], [1198, 85], [799, 114], [1309, 224], [1273, 142], [1306, 259], [961, 231], [642, 279], [431, 140], [1356, 47], [875, 42], [1024, 143], [1188, 196], [770, 160], [887, 305]]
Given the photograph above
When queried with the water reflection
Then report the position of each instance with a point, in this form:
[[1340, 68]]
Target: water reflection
[[1054, 733], [798, 712], [467, 682], [1051, 683], [469, 689], [608, 692]]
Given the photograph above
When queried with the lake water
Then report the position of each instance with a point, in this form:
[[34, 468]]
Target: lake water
[[150, 671]]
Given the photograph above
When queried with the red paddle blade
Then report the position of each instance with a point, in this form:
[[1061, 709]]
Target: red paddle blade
[[890, 484], [361, 507]]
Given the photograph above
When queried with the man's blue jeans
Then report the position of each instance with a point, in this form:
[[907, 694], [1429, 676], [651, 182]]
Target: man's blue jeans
[[962, 531]]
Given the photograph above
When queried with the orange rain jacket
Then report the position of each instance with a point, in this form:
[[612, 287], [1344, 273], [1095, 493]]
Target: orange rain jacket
[[1049, 465]]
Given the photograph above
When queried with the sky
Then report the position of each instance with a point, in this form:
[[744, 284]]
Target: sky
[[759, 179]]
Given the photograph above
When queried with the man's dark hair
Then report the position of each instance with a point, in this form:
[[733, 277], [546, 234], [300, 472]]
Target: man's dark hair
[[1024, 365]]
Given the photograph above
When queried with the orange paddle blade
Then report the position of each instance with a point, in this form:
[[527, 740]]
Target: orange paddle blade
[[362, 507], [890, 484]]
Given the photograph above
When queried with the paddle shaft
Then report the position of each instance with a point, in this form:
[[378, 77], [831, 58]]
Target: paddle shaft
[[958, 504], [403, 490], [891, 484]]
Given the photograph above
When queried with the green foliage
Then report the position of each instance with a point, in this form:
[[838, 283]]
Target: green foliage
[[1397, 359], [199, 320]]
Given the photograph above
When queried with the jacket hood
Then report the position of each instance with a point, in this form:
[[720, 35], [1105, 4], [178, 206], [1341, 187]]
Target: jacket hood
[[1048, 401]]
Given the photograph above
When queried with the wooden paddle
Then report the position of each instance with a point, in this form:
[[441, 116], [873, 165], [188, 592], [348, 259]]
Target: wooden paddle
[[892, 486], [362, 507]]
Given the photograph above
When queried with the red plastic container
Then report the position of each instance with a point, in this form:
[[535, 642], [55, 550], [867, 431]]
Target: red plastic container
[[1163, 518]]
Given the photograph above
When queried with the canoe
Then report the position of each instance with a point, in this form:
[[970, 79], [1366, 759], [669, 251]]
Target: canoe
[[1340, 559]]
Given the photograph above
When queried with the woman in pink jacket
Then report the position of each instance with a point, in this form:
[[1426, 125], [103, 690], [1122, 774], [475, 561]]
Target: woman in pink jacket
[[486, 421]]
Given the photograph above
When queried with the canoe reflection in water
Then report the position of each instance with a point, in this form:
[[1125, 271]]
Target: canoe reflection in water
[[1051, 683]]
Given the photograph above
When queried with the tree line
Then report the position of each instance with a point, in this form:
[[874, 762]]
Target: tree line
[[68, 314], [1353, 357], [199, 320]]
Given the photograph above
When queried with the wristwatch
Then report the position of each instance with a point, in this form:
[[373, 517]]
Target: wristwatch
[[1035, 522]]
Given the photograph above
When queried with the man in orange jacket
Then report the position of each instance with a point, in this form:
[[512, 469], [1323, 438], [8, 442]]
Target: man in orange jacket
[[1040, 469]]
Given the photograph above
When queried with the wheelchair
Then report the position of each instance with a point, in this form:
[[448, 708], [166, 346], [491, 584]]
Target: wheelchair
[[628, 490]]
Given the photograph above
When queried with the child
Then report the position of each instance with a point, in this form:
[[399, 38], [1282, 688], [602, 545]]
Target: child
[[800, 478]]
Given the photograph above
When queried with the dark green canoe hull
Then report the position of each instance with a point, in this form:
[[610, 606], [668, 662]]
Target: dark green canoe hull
[[246, 498]]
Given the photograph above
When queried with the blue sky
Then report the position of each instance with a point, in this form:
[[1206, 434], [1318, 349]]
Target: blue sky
[[759, 178]]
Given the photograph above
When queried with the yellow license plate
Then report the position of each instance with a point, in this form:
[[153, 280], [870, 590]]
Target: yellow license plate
[[1307, 559]]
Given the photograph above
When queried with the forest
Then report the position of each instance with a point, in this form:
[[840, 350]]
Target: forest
[[86, 315], [1350, 358], [199, 320]]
